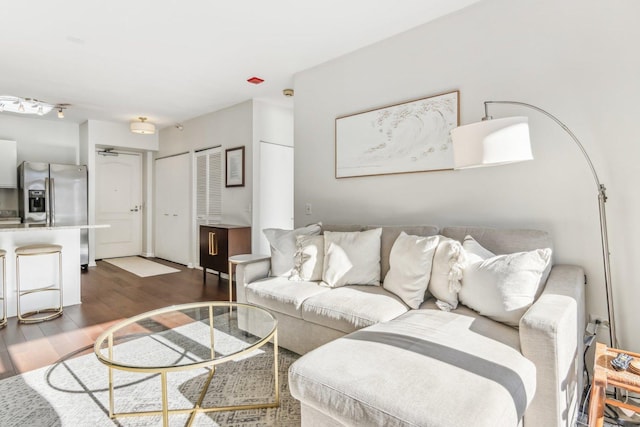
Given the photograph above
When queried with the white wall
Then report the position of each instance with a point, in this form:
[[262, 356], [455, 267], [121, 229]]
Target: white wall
[[573, 58], [118, 135], [230, 127], [38, 140]]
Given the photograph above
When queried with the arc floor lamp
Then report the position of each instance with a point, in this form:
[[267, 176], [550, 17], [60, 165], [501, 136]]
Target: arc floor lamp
[[501, 141]]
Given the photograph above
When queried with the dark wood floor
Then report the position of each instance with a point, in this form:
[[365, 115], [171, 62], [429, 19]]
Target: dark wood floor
[[109, 294]]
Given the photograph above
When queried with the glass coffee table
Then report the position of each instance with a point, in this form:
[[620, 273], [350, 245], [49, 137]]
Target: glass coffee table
[[184, 337]]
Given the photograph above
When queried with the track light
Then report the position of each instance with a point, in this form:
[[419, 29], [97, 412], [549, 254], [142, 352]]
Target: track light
[[16, 104], [60, 113]]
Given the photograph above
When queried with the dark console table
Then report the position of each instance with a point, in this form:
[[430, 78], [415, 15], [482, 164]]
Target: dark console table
[[220, 241]]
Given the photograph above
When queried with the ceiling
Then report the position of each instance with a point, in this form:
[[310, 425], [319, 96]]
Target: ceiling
[[174, 60]]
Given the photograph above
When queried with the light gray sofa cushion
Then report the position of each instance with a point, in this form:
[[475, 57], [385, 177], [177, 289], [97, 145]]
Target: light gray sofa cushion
[[389, 235], [352, 307], [283, 246], [351, 258], [442, 368], [502, 241], [282, 295]]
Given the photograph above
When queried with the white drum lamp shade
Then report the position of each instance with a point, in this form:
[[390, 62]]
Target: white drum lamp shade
[[491, 142], [143, 127]]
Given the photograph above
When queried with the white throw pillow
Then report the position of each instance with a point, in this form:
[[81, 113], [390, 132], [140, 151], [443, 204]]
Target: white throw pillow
[[283, 246], [352, 258], [308, 259], [502, 287], [410, 267], [446, 273]]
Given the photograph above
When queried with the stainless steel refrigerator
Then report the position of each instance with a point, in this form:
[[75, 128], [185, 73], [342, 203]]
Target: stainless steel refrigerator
[[55, 195]]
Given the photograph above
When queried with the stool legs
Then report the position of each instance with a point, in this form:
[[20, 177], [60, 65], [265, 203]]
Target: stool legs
[[3, 319], [28, 317]]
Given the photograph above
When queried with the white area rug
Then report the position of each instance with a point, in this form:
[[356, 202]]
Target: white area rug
[[141, 267], [74, 392]]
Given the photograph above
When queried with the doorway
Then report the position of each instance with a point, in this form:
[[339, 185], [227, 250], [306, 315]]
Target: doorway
[[119, 204], [276, 190]]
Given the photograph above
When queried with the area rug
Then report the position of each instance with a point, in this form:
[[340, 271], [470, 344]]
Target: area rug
[[74, 392], [140, 267]]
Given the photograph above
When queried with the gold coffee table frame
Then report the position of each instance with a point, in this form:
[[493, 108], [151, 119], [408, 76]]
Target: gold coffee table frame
[[107, 338]]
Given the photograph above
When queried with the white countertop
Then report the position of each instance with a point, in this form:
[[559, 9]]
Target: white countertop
[[40, 227]]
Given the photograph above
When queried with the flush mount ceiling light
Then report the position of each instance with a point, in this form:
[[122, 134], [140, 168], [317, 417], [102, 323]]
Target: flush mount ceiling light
[[143, 127], [287, 92], [15, 104]]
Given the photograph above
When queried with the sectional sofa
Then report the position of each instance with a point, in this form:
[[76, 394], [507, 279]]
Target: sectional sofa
[[373, 357]]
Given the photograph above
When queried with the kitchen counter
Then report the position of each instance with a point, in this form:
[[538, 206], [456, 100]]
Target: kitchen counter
[[40, 227], [39, 271]]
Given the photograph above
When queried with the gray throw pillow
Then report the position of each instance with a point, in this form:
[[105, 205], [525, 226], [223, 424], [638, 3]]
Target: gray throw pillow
[[283, 246]]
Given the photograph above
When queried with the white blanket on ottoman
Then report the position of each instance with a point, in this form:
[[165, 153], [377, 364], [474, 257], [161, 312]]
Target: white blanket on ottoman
[[426, 368]]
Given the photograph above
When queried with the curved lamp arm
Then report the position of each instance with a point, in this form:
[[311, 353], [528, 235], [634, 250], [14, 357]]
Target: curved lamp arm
[[602, 199]]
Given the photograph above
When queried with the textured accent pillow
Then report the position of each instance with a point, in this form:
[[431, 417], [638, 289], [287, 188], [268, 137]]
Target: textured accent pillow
[[352, 258], [410, 267], [308, 259], [283, 246], [502, 287], [446, 273]]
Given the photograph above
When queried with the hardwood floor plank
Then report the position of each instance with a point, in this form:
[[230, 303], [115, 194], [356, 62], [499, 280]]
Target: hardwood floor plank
[[109, 294]]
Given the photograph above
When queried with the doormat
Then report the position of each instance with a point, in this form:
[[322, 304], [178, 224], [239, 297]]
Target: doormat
[[140, 267]]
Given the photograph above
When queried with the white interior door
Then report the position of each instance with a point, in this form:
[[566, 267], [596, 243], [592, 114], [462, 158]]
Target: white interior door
[[119, 204], [171, 213], [276, 189]]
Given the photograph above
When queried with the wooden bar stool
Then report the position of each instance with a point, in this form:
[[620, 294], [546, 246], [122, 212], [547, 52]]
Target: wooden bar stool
[[3, 319], [38, 250]]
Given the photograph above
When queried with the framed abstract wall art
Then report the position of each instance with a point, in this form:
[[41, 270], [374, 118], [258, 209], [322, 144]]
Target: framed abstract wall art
[[235, 167], [402, 138]]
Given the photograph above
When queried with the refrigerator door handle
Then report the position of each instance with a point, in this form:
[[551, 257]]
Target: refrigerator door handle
[[52, 206], [47, 202]]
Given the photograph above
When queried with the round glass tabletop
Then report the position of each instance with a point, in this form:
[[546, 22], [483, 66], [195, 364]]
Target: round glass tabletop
[[185, 336]]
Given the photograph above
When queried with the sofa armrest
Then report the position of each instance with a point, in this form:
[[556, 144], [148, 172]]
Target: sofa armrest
[[551, 337], [248, 273]]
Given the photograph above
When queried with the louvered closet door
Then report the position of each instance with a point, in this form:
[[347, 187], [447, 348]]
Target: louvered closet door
[[209, 179], [172, 218]]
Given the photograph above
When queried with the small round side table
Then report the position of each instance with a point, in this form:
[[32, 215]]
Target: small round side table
[[242, 259]]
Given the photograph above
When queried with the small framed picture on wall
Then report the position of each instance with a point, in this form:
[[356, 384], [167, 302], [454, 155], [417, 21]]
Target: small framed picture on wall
[[235, 167]]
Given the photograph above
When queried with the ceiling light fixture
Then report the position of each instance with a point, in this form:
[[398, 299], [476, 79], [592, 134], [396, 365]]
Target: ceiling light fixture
[[61, 108], [15, 104], [143, 127], [287, 92]]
